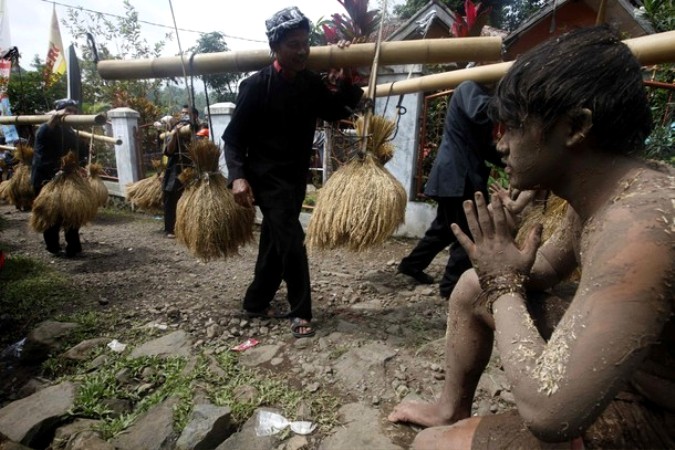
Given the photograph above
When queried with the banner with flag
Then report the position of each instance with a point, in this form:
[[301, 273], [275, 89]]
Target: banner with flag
[[9, 131], [5, 40], [74, 76], [55, 63]]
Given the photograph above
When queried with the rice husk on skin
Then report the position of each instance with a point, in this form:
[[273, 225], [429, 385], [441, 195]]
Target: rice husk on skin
[[209, 222], [67, 199], [95, 171], [361, 206]]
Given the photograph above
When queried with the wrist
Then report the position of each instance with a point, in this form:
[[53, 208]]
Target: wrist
[[501, 284]]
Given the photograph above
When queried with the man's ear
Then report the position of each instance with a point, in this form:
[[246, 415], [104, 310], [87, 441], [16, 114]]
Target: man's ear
[[581, 122]]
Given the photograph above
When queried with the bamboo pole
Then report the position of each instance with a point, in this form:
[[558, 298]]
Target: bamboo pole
[[428, 51], [651, 49], [99, 137], [7, 147], [70, 119], [184, 131]]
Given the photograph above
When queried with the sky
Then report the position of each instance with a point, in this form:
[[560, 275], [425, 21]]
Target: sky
[[29, 20]]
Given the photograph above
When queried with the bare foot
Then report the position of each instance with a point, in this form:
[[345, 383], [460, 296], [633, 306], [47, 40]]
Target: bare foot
[[425, 414]]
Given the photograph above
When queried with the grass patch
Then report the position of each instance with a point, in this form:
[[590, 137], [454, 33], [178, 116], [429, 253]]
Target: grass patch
[[147, 381], [31, 292], [273, 392]]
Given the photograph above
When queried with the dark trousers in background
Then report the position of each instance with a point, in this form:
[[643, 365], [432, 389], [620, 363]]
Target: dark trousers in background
[[170, 205], [72, 235], [436, 238], [281, 256]]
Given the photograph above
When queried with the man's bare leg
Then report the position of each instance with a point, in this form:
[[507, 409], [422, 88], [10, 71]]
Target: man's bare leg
[[467, 351]]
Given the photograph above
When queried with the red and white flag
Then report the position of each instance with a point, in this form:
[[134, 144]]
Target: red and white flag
[[55, 63]]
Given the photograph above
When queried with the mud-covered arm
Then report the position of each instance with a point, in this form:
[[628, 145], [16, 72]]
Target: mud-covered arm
[[620, 308], [555, 259]]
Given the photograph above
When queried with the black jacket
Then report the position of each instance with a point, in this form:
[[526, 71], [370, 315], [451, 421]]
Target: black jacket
[[466, 144], [269, 139], [52, 144]]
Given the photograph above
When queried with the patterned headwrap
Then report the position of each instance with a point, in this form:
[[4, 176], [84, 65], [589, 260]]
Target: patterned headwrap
[[64, 103], [283, 21]]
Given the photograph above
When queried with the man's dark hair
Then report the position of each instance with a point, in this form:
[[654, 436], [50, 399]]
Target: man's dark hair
[[195, 111], [585, 68]]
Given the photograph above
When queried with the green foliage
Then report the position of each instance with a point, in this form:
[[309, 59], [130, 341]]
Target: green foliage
[[505, 14], [661, 13], [31, 292], [223, 85], [124, 35], [29, 95]]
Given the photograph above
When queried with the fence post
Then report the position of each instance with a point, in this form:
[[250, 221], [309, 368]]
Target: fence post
[[125, 127], [221, 114]]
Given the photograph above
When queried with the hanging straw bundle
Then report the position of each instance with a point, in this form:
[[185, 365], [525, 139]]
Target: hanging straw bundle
[[360, 206], [67, 199], [4, 191], [146, 194], [94, 171], [20, 189], [208, 220], [378, 143]]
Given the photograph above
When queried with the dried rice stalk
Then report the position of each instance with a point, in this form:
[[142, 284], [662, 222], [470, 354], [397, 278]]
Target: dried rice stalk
[[4, 191], [68, 198], [20, 189], [146, 194], [208, 220], [549, 213], [95, 170], [360, 206], [24, 154], [379, 143]]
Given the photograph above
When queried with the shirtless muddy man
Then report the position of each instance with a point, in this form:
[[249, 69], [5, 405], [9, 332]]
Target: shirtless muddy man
[[590, 367]]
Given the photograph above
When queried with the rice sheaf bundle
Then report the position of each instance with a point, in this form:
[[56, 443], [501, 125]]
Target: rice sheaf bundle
[[95, 170], [208, 220], [380, 132], [549, 213], [146, 194], [20, 189], [4, 191], [68, 198], [362, 204]]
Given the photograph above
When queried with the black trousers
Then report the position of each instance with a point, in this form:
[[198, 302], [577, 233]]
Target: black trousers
[[170, 205], [281, 256], [72, 235], [436, 238]]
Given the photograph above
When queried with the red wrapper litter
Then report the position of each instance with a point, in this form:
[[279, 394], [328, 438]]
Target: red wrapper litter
[[248, 343]]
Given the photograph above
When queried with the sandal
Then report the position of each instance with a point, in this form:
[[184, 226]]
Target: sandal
[[297, 323], [268, 313]]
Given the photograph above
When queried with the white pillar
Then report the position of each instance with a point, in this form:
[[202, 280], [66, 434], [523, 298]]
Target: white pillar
[[221, 113], [125, 127]]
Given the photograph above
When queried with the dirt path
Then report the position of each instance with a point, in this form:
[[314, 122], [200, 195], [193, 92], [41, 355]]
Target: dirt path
[[130, 267]]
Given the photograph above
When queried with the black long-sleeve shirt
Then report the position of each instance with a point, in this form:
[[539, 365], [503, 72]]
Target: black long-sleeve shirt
[[269, 139]]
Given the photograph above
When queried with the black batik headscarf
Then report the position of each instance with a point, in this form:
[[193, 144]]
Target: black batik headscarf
[[283, 21]]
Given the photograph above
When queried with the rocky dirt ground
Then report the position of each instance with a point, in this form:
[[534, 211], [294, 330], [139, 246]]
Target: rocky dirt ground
[[379, 335]]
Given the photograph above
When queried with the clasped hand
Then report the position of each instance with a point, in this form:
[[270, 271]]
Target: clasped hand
[[493, 250]]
